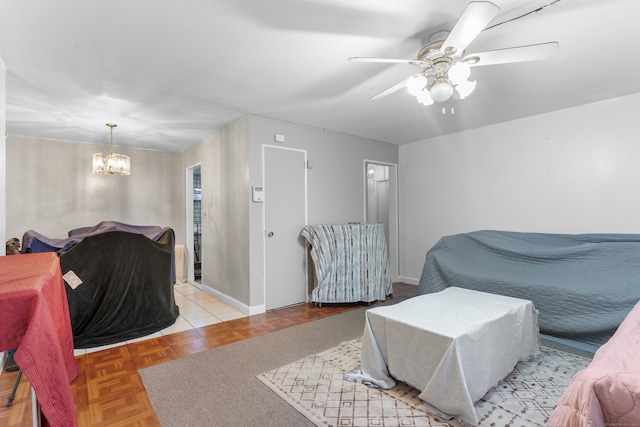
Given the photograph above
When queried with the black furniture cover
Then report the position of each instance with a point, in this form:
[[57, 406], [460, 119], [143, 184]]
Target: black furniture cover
[[119, 285]]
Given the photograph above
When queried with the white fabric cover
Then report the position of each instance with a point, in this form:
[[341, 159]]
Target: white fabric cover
[[454, 345], [181, 264]]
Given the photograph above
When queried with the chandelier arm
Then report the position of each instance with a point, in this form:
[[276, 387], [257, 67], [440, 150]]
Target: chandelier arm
[[111, 126]]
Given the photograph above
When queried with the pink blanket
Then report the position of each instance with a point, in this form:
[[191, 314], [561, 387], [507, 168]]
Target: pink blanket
[[607, 392]]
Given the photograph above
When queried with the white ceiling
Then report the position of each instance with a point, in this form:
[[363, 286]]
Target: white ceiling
[[172, 72]]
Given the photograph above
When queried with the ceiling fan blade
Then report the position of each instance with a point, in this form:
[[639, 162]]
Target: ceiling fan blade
[[390, 90], [475, 17], [514, 54], [387, 60]]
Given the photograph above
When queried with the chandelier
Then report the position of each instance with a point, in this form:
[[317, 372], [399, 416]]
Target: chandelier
[[113, 164]]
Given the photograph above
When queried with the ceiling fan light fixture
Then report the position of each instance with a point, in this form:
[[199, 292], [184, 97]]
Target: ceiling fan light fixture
[[441, 90], [445, 68], [416, 84]]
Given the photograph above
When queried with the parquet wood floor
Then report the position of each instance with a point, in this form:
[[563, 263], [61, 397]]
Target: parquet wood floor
[[108, 390]]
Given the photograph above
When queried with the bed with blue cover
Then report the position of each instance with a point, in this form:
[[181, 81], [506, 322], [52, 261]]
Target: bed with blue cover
[[583, 285]]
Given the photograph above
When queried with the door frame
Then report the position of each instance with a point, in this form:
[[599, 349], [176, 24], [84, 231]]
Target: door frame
[[394, 239], [189, 220], [264, 211]]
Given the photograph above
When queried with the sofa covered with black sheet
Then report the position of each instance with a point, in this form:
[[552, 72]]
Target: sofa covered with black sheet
[[119, 280], [583, 285]]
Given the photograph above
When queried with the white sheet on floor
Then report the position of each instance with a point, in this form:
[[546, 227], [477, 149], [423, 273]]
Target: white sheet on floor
[[454, 345]]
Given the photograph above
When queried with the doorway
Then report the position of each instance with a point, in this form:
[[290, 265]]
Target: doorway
[[193, 240], [197, 224], [381, 205], [285, 214]]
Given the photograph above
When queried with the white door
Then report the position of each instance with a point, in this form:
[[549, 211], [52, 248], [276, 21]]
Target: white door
[[285, 215]]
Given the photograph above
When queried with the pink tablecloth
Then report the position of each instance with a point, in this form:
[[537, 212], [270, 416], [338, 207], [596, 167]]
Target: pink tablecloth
[[34, 317]]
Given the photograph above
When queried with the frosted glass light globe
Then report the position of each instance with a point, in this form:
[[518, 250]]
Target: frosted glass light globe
[[441, 90], [416, 83], [424, 98], [459, 72], [465, 88]]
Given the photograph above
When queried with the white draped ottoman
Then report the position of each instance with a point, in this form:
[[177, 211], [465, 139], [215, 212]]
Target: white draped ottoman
[[453, 345]]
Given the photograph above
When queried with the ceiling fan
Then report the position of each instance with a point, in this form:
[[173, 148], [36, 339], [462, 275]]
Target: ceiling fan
[[445, 66]]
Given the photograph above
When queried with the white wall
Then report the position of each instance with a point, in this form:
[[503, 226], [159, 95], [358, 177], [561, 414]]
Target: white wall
[[231, 162], [335, 182], [224, 164], [571, 171], [3, 154], [51, 189]]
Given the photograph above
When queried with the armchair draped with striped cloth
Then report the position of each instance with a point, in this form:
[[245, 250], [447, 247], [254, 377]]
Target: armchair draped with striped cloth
[[350, 261]]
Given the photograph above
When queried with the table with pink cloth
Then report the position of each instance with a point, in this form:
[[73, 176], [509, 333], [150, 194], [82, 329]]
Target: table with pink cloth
[[453, 346], [34, 318]]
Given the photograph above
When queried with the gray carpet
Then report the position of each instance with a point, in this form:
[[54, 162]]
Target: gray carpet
[[218, 387]]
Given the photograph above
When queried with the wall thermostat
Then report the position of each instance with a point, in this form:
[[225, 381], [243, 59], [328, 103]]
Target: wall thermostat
[[257, 193]]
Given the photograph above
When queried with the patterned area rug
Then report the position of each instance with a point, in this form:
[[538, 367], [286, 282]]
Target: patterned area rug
[[315, 387]]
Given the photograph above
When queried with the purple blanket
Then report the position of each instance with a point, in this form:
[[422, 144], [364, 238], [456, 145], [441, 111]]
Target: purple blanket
[[33, 241]]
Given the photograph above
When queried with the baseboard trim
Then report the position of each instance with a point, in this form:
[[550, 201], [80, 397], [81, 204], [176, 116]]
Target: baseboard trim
[[240, 306], [408, 280]]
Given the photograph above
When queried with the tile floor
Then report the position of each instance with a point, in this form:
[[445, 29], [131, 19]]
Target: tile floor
[[197, 309]]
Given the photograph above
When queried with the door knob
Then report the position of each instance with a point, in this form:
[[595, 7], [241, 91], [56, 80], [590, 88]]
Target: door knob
[[270, 234]]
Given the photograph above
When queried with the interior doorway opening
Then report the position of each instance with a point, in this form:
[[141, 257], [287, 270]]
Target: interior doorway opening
[[193, 235], [378, 196], [381, 205], [197, 225]]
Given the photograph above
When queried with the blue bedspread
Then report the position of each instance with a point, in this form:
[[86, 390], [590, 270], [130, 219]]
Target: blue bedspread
[[582, 284]]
